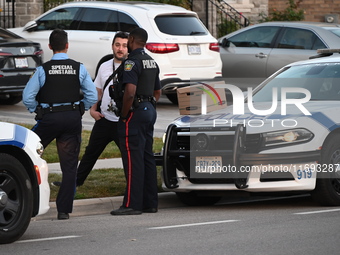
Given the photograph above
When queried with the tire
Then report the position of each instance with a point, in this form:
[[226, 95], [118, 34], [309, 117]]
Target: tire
[[327, 190], [16, 199], [192, 199], [173, 98], [13, 99]]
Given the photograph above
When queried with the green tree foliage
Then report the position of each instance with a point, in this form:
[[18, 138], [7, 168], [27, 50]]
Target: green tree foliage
[[291, 13], [226, 27]]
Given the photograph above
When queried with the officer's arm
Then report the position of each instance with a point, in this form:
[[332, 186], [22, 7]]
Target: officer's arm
[[93, 110], [157, 94], [129, 95], [88, 88], [32, 89]]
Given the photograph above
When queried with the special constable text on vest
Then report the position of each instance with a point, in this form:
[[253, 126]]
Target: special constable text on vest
[[62, 69]]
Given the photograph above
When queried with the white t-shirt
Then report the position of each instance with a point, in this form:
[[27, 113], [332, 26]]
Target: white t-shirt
[[105, 70]]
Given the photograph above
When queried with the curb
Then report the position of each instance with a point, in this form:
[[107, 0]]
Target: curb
[[100, 164], [96, 206]]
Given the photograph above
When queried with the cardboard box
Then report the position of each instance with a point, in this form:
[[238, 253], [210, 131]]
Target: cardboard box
[[200, 99]]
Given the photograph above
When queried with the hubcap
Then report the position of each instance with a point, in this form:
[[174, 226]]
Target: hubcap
[[3, 199], [335, 159], [10, 199]]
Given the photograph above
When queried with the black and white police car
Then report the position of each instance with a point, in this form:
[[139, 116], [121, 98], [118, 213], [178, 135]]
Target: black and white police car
[[284, 136], [24, 188]]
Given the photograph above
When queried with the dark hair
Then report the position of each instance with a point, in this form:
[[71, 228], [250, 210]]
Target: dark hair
[[139, 34], [120, 34], [58, 39]]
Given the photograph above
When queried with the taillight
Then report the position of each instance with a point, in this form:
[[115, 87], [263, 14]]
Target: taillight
[[162, 48], [38, 52], [214, 47], [5, 54]]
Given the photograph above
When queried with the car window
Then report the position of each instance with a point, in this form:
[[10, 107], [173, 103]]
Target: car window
[[256, 37], [94, 19], [126, 23], [113, 23], [5, 34], [294, 38], [321, 80], [61, 18], [180, 25]]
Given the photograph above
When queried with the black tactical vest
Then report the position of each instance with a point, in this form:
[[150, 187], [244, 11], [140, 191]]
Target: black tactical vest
[[146, 80], [62, 83]]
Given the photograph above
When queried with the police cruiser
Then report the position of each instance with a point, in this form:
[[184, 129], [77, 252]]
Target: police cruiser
[[24, 188], [283, 137]]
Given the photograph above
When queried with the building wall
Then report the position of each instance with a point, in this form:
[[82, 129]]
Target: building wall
[[315, 10], [27, 10], [250, 8]]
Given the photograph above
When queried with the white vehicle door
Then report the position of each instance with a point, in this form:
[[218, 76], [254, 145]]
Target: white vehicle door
[[62, 18], [96, 28]]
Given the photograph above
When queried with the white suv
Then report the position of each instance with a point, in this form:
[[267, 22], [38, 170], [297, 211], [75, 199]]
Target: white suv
[[178, 41]]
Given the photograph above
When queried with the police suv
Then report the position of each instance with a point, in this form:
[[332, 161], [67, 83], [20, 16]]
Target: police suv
[[283, 137], [24, 188]]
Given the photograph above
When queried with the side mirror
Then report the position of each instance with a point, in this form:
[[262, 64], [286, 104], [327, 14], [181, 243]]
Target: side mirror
[[30, 26], [225, 43]]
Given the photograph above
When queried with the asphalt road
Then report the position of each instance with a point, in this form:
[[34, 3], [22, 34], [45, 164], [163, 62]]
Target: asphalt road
[[282, 226], [166, 112], [234, 226]]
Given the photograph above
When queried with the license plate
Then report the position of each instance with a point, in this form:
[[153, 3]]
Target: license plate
[[194, 50], [208, 162], [21, 62]]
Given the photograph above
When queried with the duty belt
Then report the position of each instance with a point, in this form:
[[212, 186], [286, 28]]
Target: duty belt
[[145, 98], [61, 108]]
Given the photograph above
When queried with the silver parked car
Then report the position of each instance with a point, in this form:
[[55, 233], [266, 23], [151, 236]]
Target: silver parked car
[[252, 54]]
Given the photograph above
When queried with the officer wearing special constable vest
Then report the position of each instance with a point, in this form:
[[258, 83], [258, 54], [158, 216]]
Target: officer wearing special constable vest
[[53, 92], [140, 80]]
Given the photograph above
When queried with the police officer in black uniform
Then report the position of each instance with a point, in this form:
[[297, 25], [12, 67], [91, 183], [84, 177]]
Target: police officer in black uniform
[[53, 92], [140, 80]]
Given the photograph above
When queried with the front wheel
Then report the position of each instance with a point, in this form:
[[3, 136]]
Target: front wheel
[[192, 199], [327, 190], [16, 199]]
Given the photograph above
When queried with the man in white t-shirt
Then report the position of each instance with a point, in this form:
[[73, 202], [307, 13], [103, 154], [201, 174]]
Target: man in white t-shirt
[[105, 128]]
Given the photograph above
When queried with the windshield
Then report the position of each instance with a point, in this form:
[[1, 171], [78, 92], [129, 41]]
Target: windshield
[[334, 30], [322, 80]]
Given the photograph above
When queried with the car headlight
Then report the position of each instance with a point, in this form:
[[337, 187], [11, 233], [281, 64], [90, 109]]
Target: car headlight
[[287, 137], [40, 149]]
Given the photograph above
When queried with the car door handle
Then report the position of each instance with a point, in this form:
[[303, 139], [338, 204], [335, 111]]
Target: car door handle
[[261, 55], [105, 38]]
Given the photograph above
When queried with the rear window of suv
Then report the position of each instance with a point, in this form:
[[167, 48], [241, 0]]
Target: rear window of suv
[[180, 25]]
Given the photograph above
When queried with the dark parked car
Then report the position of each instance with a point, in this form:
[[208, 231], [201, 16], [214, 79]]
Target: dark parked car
[[18, 59], [252, 54]]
